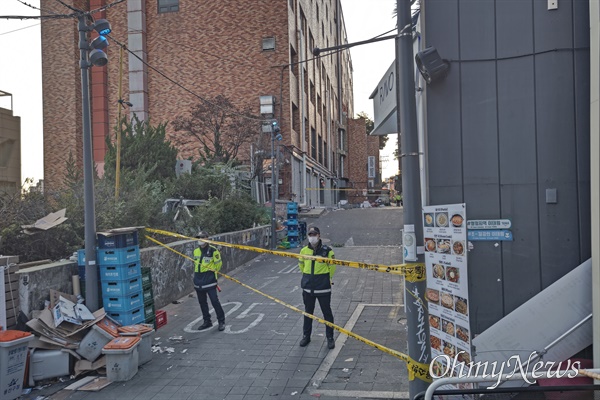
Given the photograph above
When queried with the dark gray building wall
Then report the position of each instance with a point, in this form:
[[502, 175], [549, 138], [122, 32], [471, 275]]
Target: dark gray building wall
[[509, 121]]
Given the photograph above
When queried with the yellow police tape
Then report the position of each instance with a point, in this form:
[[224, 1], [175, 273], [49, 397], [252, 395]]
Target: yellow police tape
[[415, 368], [413, 272]]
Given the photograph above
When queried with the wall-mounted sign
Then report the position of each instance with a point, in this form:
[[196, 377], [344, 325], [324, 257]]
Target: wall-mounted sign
[[489, 224], [490, 234], [447, 294]]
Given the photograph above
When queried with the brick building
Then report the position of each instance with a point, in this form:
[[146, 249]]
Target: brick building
[[363, 176], [241, 51], [10, 149]]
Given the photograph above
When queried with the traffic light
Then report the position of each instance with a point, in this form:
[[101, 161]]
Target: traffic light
[[276, 130]]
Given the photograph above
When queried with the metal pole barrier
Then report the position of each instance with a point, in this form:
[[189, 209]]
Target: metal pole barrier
[[91, 273], [416, 315]]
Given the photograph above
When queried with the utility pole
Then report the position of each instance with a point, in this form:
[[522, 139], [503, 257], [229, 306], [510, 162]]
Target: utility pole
[[90, 54], [416, 314]]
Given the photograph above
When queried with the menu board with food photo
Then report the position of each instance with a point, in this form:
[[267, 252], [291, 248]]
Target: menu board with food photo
[[445, 245]]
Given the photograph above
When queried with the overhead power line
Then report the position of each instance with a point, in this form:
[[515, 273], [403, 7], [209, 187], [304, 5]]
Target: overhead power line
[[173, 81]]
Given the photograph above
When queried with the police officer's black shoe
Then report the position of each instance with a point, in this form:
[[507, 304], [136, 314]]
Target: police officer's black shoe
[[330, 343], [305, 340], [221, 326], [205, 325]]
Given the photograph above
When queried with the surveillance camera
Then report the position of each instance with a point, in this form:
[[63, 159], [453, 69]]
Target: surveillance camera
[[98, 58]]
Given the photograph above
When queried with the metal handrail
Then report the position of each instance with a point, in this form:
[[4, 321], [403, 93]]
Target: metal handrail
[[480, 379], [498, 390]]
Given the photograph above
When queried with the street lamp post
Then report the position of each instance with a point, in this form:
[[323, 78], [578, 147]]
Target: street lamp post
[[91, 54], [275, 134]]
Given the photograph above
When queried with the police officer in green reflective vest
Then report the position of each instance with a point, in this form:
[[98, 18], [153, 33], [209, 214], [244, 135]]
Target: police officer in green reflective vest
[[317, 278], [207, 262]]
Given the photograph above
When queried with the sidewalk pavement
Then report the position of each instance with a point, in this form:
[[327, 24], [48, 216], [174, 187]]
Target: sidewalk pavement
[[258, 357]]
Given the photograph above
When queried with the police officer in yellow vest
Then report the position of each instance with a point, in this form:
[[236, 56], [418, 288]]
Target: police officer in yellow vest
[[316, 284], [207, 262]]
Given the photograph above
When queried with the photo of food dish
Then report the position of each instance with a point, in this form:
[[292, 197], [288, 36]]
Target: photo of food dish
[[452, 274], [434, 322], [430, 245], [461, 305], [428, 219], [436, 342], [438, 271], [443, 246], [441, 219], [433, 296], [462, 333], [447, 301], [448, 327], [438, 369], [458, 248], [449, 349], [457, 220], [463, 356]]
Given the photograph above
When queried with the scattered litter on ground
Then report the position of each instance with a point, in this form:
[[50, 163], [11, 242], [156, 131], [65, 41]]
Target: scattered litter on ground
[[294, 393], [177, 302], [169, 368], [277, 333], [349, 359], [345, 370], [176, 338], [169, 350], [157, 349], [184, 350]]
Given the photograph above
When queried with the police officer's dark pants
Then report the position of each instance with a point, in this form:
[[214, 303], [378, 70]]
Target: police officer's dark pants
[[309, 307], [214, 299]]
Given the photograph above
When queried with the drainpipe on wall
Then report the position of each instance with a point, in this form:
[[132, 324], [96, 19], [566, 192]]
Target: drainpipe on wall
[[303, 198], [338, 28], [138, 71]]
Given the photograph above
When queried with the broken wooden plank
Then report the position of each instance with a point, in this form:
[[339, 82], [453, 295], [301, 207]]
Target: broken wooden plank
[[81, 382], [96, 385]]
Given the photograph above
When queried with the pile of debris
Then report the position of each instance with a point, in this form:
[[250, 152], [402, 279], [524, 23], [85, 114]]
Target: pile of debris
[[69, 341]]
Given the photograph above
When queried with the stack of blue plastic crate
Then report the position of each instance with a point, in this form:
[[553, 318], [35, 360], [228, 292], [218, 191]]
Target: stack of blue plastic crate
[[121, 277], [302, 225], [292, 224]]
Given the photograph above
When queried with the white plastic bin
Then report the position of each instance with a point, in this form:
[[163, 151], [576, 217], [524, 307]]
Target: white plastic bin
[[122, 358], [46, 364], [91, 346], [145, 346], [13, 358]]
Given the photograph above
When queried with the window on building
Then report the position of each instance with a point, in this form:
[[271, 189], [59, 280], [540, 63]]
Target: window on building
[[268, 43], [312, 92], [306, 132], [371, 166], [165, 6], [296, 123], [313, 143], [325, 155], [294, 60], [317, 12], [319, 103], [320, 149], [305, 82]]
